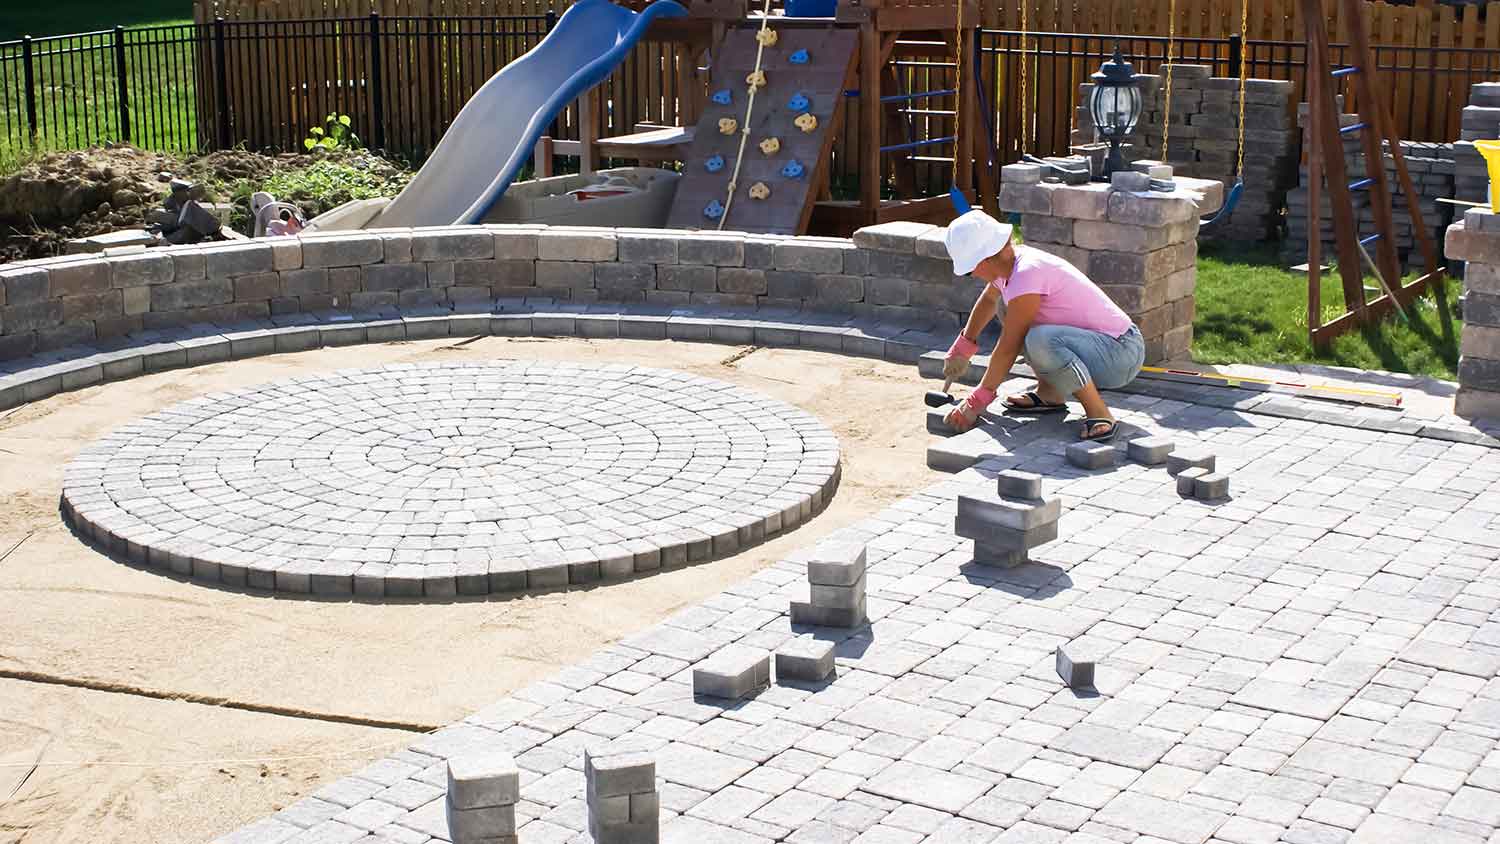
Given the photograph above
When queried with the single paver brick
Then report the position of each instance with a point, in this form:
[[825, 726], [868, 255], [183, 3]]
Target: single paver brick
[[732, 673], [483, 778], [1211, 485], [1077, 673], [1150, 451], [1187, 480], [1091, 455], [618, 774], [1013, 483], [804, 658], [837, 564], [1184, 458]]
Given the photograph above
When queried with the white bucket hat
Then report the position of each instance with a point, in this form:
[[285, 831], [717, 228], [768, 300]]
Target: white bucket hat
[[972, 238]]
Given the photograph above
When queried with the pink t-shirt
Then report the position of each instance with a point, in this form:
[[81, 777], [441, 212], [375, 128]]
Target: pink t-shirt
[[1068, 297]]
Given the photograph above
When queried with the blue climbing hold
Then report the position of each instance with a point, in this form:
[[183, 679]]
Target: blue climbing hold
[[793, 169], [798, 102], [715, 164], [799, 57], [713, 210], [723, 97]]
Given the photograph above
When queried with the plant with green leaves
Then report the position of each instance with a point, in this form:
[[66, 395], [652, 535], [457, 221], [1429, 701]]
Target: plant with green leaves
[[336, 133]]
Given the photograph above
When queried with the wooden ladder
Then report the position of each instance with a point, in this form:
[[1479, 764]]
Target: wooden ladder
[[1325, 153]]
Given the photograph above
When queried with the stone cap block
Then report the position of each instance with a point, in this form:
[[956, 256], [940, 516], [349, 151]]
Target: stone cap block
[[837, 564], [899, 236], [1482, 220], [483, 778], [1008, 513], [1022, 173], [933, 244], [619, 773], [1014, 483]]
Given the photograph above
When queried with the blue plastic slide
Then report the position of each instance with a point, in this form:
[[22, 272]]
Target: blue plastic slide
[[497, 129]]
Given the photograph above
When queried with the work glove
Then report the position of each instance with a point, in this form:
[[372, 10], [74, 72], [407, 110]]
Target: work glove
[[956, 364], [965, 414]]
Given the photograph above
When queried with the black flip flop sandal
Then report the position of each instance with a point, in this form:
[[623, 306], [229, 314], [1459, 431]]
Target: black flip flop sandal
[[1037, 405], [1089, 425]]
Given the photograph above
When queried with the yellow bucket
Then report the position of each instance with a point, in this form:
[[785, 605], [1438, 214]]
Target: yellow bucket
[[1491, 152]]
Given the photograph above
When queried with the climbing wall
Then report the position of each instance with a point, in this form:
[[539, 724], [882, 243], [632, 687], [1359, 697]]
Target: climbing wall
[[805, 71]]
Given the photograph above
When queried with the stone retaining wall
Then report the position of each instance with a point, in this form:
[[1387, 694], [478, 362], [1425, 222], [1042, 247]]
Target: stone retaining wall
[[91, 300], [1476, 239]]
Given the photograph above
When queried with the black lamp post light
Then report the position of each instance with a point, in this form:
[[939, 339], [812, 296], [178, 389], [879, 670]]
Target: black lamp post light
[[1115, 104]]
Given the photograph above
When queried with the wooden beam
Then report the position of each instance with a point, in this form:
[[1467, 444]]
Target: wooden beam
[[869, 117]]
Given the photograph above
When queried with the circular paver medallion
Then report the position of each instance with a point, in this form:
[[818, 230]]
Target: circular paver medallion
[[436, 479]]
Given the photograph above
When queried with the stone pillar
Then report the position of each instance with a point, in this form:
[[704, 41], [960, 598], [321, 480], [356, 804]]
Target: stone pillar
[[1139, 246], [621, 798], [1476, 239]]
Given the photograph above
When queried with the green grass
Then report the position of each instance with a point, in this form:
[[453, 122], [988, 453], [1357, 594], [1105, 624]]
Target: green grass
[[1251, 310], [22, 17]]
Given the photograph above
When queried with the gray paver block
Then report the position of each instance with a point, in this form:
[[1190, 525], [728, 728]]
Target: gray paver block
[[1149, 451], [811, 614], [1091, 455], [1211, 485], [732, 673], [837, 564], [994, 536], [483, 778], [991, 555], [481, 825], [1077, 673], [1187, 480], [937, 421], [1185, 458], [851, 597], [1013, 483], [804, 658], [1015, 514]]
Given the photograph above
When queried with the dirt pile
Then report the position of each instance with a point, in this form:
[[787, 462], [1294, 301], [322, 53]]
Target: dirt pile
[[67, 195]]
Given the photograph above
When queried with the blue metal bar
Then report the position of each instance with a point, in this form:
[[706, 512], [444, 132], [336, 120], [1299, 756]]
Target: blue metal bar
[[916, 95], [1361, 184], [915, 144], [1345, 71], [1366, 241], [1352, 127]]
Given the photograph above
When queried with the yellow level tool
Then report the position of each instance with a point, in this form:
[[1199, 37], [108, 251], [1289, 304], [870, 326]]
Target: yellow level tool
[[1383, 396]]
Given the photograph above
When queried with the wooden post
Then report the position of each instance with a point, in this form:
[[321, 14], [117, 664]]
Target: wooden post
[[588, 131], [869, 118], [541, 157]]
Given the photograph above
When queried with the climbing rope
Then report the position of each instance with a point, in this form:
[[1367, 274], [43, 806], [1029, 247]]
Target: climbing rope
[[734, 178]]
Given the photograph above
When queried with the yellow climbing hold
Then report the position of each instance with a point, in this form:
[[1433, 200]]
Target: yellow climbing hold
[[727, 125], [766, 37], [770, 146], [759, 191], [756, 80], [806, 122]]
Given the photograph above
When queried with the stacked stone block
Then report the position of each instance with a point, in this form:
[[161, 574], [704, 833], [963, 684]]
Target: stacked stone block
[[1431, 167], [1141, 248], [1010, 522], [1481, 121], [621, 797], [1476, 239], [1202, 133], [836, 587], [732, 673], [483, 789], [84, 299]]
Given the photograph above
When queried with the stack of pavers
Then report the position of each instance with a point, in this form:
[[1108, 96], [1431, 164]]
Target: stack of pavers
[[483, 789], [1008, 523], [620, 793], [836, 586], [1203, 135], [1481, 121], [1431, 167]]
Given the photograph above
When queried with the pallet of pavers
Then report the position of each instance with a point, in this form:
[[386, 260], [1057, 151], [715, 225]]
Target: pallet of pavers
[[811, 85]]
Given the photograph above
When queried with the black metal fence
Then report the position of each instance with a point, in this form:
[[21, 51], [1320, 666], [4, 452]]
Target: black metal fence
[[264, 84]]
